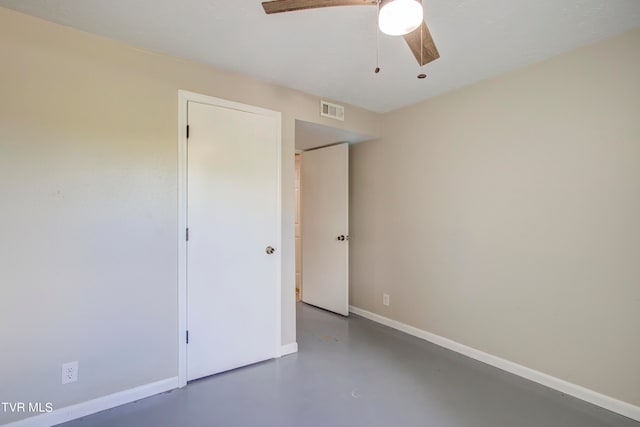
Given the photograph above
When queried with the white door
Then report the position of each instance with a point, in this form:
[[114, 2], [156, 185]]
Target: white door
[[325, 228], [232, 218]]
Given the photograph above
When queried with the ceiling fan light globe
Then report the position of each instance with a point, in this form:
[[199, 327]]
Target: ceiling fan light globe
[[400, 17]]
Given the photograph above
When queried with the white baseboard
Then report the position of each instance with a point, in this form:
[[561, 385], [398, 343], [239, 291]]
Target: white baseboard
[[89, 407], [607, 402], [288, 349]]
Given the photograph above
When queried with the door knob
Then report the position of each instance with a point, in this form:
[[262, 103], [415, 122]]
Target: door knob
[[342, 237], [269, 250]]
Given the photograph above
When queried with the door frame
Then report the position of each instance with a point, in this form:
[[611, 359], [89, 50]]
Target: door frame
[[183, 98]]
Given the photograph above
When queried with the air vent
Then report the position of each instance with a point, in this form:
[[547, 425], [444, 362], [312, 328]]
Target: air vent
[[332, 111]]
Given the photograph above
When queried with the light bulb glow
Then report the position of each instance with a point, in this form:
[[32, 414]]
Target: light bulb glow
[[400, 17]]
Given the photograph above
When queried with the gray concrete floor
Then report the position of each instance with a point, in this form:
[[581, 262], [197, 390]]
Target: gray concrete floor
[[353, 372]]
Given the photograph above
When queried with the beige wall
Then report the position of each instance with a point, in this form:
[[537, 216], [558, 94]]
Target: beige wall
[[88, 184], [505, 216]]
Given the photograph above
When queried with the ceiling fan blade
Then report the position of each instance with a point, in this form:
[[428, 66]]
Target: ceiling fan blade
[[278, 6], [429, 50]]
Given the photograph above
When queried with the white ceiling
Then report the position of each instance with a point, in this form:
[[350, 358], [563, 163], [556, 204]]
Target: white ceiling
[[331, 52]]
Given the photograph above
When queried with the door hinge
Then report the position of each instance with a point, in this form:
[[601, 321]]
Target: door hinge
[[187, 234], [187, 337], [187, 131]]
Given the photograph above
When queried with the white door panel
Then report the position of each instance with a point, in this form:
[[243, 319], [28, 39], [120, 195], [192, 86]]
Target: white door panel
[[232, 216], [325, 217]]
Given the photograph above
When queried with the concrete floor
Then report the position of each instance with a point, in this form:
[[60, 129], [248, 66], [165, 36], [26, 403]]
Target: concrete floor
[[353, 372]]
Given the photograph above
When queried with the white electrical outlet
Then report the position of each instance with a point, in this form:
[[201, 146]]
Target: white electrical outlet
[[385, 299], [70, 372]]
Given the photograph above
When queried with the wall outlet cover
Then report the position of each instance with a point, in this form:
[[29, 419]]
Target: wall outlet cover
[[70, 372]]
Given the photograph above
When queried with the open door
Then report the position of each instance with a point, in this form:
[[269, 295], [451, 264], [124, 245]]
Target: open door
[[325, 228]]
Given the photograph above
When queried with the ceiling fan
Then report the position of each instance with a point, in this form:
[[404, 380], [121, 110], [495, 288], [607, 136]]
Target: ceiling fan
[[395, 17]]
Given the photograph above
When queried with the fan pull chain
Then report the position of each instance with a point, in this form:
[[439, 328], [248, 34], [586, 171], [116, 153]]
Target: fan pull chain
[[421, 75], [377, 70]]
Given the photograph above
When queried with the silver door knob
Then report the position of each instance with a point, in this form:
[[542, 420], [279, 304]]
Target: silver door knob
[[269, 250]]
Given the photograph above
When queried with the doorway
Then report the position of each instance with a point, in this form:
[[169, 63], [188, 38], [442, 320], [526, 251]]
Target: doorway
[[322, 236]]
